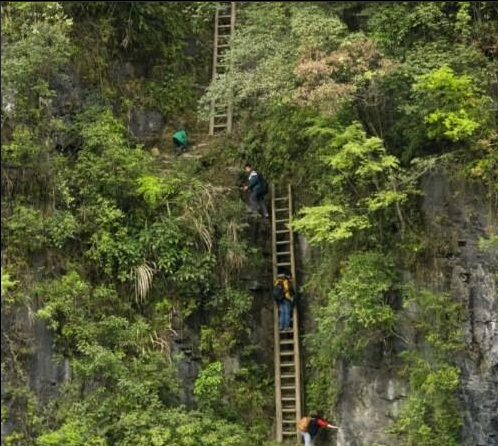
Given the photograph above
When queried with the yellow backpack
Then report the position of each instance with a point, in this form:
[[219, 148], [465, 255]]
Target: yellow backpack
[[303, 424]]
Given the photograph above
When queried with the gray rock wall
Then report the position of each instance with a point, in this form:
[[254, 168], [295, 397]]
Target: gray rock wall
[[461, 214]]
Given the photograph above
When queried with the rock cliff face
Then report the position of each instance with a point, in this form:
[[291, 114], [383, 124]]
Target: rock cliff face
[[458, 215], [472, 276]]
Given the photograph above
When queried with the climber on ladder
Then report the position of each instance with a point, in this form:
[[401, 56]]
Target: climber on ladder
[[283, 293], [257, 188]]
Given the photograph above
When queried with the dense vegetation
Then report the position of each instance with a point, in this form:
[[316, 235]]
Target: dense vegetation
[[107, 244], [352, 102]]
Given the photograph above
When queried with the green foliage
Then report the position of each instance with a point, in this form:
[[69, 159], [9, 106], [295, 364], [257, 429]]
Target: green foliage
[[403, 24], [35, 46], [22, 150], [329, 223], [451, 105], [228, 324], [363, 177], [489, 244], [70, 434], [25, 230], [263, 53], [357, 311], [208, 385], [354, 313], [113, 246], [7, 284], [157, 190], [167, 39], [61, 226]]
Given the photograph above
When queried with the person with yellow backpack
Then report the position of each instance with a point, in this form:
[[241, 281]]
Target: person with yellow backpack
[[283, 293], [308, 427]]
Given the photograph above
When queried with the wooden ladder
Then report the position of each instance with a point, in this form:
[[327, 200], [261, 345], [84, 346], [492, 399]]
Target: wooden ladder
[[224, 25], [288, 397]]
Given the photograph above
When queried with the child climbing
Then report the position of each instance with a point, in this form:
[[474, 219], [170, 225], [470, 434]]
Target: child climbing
[[257, 188], [283, 293]]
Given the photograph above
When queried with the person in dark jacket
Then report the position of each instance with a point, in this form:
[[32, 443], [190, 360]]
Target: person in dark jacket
[[309, 427], [256, 191]]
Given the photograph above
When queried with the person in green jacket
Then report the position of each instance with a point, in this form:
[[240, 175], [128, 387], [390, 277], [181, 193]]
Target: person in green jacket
[[180, 141]]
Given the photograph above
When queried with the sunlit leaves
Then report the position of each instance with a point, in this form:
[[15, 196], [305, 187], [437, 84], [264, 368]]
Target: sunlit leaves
[[454, 108], [364, 180]]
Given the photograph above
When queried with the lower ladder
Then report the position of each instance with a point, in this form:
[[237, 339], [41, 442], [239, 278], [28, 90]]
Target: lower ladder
[[288, 397]]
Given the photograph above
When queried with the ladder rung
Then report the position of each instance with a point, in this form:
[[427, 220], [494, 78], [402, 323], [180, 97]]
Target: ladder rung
[[223, 46], [285, 253], [285, 220], [281, 231], [288, 410], [289, 421], [287, 341], [286, 353], [224, 26], [281, 198], [287, 364], [285, 263], [288, 433], [288, 388], [220, 125], [220, 116], [282, 209], [224, 16], [289, 399], [283, 242]]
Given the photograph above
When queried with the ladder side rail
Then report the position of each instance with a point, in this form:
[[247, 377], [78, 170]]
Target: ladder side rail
[[297, 356], [230, 99], [278, 381], [215, 57]]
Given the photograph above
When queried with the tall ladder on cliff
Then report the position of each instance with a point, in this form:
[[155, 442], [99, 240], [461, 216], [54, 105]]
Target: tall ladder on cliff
[[288, 396], [224, 25]]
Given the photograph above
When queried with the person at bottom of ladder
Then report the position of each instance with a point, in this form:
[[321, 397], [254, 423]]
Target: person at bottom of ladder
[[257, 188], [309, 426]]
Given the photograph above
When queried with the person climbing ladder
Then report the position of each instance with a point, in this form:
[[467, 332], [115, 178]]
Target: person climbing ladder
[[283, 293], [257, 188]]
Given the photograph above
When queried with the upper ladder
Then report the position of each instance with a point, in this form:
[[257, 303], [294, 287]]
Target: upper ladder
[[224, 25], [288, 397]]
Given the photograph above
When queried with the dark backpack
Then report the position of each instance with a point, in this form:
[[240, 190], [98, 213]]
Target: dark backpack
[[278, 292], [313, 427], [263, 185]]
